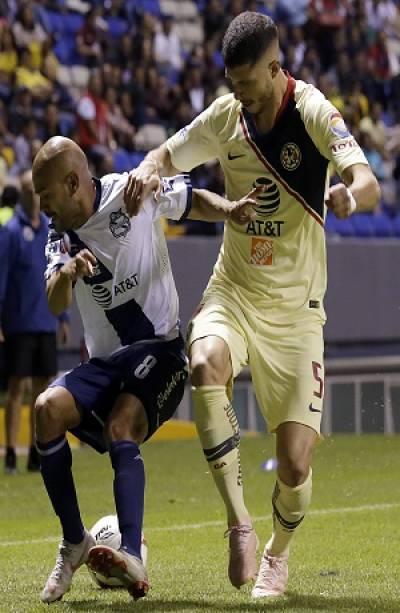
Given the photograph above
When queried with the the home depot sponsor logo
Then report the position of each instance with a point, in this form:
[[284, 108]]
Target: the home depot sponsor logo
[[261, 252]]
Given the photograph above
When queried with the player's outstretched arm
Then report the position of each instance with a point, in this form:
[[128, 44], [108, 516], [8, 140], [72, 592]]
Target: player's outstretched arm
[[146, 178], [59, 286], [207, 206], [359, 191]]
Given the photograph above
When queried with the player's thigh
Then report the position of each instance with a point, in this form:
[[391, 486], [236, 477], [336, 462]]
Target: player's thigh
[[288, 374], [20, 355], [222, 318], [95, 386], [155, 372], [45, 357], [127, 420]]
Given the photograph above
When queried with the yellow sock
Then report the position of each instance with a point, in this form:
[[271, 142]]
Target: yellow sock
[[219, 435], [289, 507]]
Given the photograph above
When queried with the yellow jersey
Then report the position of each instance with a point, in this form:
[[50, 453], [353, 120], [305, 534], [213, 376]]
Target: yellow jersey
[[277, 263]]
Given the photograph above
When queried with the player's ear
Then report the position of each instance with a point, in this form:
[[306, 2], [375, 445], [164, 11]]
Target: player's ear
[[72, 182], [274, 68]]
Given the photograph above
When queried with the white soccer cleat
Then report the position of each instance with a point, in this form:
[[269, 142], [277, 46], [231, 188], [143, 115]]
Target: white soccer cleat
[[124, 566], [243, 545], [272, 576], [70, 558]]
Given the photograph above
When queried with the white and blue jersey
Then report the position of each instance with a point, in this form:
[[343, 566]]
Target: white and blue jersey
[[131, 296]]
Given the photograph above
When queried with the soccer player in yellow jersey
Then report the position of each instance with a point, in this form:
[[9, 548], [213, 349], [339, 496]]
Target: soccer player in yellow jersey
[[263, 306]]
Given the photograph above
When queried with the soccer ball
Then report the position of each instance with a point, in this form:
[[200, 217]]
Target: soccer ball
[[106, 532]]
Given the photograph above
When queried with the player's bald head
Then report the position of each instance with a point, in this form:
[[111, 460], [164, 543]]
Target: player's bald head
[[59, 155], [63, 182]]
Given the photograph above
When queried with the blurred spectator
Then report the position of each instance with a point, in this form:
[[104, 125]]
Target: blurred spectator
[[28, 327], [90, 37], [167, 47], [292, 12], [214, 17], [23, 147], [29, 33], [21, 109], [373, 155], [9, 199], [30, 77], [8, 52], [374, 125], [50, 124], [94, 133], [123, 131]]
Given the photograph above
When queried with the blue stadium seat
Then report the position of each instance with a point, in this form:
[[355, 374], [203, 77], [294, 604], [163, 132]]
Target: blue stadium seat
[[382, 225], [55, 21], [135, 158], [331, 223], [363, 224], [64, 49], [396, 225], [122, 160], [72, 22], [345, 227], [117, 27], [150, 6]]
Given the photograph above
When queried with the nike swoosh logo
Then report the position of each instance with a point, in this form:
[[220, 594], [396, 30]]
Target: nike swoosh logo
[[235, 157], [313, 409]]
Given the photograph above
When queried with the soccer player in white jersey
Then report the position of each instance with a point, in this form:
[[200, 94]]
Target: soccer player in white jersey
[[135, 377], [263, 305]]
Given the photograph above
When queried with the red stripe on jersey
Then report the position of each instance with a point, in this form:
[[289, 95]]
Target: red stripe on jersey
[[291, 86], [272, 170]]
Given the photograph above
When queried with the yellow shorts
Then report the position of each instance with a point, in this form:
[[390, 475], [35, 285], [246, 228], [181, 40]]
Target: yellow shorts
[[285, 361]]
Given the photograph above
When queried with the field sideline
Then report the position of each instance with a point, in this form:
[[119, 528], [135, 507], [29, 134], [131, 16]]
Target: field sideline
[[345, 557]]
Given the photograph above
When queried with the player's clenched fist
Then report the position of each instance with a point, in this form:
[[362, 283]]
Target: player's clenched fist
[[341, 201], [79, 266], [141, 182], [243, 211]]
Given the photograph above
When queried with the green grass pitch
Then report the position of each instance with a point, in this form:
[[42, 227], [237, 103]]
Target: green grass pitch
[[346, 555]]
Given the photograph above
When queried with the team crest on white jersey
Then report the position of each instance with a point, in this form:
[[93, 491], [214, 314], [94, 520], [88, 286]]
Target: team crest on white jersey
[[290, 156], [120, 224]]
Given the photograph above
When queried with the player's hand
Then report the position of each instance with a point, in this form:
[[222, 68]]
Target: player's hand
[[340, 201], [242, 211], [2, 339], [79, 266], [141, 182]]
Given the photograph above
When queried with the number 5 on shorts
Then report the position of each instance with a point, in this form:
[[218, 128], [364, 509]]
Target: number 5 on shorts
[[144, 367], [316, 367]]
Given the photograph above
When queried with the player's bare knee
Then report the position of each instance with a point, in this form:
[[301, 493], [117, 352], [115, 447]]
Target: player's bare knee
[[47, 413], [206, 368], [293, 471]]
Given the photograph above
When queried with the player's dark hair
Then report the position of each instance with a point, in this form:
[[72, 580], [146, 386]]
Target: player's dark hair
[[247, 38]]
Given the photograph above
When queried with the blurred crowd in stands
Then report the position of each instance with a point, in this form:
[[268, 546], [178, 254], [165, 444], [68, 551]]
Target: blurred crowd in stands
[[121, 76]]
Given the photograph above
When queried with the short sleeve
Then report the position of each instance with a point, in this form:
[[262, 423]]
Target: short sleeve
[[175, 199], [327, 128], [194, 144], [57, 252]]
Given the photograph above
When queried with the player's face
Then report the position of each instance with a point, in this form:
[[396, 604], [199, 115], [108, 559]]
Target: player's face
[[58, 202], [253, 85]]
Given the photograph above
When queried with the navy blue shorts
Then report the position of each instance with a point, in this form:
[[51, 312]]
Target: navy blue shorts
[[154, 371]]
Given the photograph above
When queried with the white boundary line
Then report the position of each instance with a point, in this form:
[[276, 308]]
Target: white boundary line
[[219, 523]]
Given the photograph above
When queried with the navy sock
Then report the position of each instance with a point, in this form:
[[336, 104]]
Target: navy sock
[[128, 493], [56, 463]]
